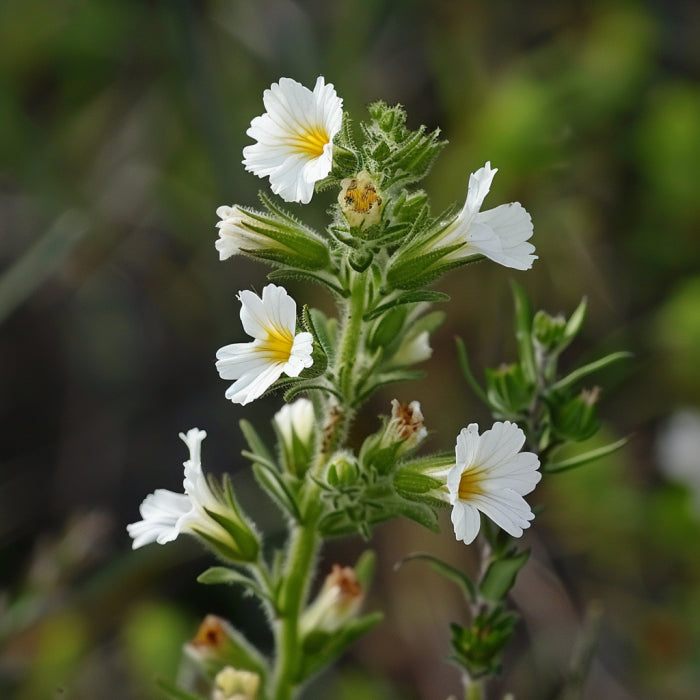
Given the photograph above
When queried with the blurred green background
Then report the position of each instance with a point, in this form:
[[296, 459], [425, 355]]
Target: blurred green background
[[121, 129]]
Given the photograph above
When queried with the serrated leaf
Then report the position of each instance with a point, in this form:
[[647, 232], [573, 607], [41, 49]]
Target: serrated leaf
[[500, 575], [446, 571]]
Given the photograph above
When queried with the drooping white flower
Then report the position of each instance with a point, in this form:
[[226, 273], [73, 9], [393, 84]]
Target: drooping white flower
[[276, 348], [491, 475], [500, 234], [166, 514], [234, 236], [294, 137]]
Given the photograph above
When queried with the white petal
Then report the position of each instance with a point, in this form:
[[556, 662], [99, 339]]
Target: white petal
[[253, 385], [479, 186], [512, 225], [466, 522], [164, 513], [300, 356]]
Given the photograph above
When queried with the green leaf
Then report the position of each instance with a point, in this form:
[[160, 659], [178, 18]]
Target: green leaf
[[273, 483], [384, 378], [332, 645], [446, 571], [467, 372], [296, 274], [500, 575], [223, 575], [573, 325], [591, 367], [585, 458], [364, 568], [256, 444], [420, 513], [410, 483], [523, 332]]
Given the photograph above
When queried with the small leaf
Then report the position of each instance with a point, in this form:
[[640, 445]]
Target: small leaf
[[412, 297], [364, 568], [523, 332], [585, 458], [467, 372], [500, 575], [275, 486], [256, 444], [591, 367], [420, 513], [446, 571]]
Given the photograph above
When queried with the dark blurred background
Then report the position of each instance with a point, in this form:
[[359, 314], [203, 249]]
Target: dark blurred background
[[121, 129]]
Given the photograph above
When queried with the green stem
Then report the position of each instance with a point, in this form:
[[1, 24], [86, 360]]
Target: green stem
[[305, 540], [474, 690]]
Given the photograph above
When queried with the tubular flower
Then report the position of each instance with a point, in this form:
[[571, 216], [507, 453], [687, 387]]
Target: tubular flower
[[491, 475], [235, 234], [276, 349], [294, 137], [166, 514], [499, 234]]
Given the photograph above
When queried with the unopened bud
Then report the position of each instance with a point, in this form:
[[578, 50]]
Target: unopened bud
[[338, 601], [343, 470], [405, 426]]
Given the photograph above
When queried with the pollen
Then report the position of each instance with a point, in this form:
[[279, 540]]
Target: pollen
[[361, 198], [311, 141], [277, 347], [470, 484]]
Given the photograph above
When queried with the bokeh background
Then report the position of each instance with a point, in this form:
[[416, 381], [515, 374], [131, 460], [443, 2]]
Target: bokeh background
[[121, 129]]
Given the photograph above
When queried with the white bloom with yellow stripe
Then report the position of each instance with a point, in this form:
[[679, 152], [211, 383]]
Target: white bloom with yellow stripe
[[276, 348], [294, 137], [491, 476], [500, 234]]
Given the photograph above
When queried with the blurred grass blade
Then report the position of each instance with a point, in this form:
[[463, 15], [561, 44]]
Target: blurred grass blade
[[42, 260]]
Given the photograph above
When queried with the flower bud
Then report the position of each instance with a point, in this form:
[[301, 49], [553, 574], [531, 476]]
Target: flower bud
[[548, 330], [233, 684], [217, 644], [359, 200], [576, 419], [338, 601], [343, 470], [405, 426], [295, 424]]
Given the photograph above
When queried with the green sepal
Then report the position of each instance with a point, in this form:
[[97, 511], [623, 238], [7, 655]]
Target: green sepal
[[388, 328], [574, 418], [246, 542], [523, 333], [223, 575], [413, 297], [323, 329], [448, 572], [321, 648], [176, 693], [500, 575], [414, 271], [585, 458], [274, 485], [508, 390], [384, 378], [421, 513], [409, 483], [364, 568], [285, 273]]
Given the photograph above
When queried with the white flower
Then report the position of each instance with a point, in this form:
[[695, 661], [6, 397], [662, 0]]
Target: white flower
[[491, 475], [294, 137], [298, 419], [234, 684], [166, 514], [233, 234], [271, 321], [414, 349], [499, 234]]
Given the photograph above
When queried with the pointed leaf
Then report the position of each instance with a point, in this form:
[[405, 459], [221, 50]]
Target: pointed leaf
[[446, 571], [467, 372], [523, 332], [273, 483], [500, 575], [591, 367], [585, 458]]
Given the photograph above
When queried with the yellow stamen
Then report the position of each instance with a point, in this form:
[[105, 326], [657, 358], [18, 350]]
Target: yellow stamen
[[278, 344], [310, 141], [470, 485]]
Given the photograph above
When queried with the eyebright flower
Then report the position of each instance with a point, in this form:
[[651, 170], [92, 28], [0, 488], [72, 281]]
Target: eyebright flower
[[234, 235], [491, 475], [405, 426], [499, 234], [167, 514], [295, 137], [296, 419], [276, 348], [235, 684]]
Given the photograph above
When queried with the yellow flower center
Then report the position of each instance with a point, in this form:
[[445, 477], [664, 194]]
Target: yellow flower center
[[277, 347], [311, 141], [470, 485]]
